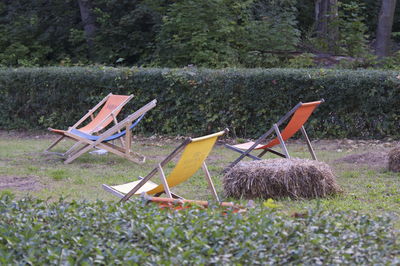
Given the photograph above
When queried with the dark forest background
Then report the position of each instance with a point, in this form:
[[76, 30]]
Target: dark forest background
[[206, 33]]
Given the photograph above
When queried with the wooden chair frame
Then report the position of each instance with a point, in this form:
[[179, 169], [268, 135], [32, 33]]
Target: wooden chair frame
[[89, 114], [273, 129], [100, 142], [163, 179]]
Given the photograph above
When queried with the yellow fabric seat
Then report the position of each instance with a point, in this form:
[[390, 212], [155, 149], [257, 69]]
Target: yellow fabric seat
[[195, 152]]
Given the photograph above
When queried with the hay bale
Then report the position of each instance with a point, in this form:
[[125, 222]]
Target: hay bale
[[276, 178], [394, 160]]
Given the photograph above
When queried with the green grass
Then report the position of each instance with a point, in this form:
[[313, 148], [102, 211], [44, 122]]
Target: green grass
[[367, 189]]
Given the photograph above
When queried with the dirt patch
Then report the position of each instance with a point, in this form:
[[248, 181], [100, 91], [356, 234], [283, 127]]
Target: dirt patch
[[350, 145], [374, 159], [29, 183], [20, 134]]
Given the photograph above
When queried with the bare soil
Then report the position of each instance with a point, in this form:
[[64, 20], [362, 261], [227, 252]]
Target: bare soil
[[29, 183], [373, 159]]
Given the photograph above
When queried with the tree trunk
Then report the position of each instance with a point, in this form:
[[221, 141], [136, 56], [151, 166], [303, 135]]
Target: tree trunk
[[384, 29], [89, 24], [326, 13]]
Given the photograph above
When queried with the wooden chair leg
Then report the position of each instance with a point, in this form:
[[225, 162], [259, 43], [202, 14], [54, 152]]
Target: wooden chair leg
[[262, 153], [164, 182], [55, 143], [71, 150], [310, 148], [210, 182], [278, 134], [244, 154], [271, 151], [78, 153], [128, 140], [119, 131]]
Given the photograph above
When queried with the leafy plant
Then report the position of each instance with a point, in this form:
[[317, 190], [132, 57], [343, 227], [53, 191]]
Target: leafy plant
[[350, 36], [352, 29], [358, 103], [202, 33], [302, 61], [38, 232], [226, 33]]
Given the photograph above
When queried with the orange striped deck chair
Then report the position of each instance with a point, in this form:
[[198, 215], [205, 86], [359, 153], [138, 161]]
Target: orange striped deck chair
[[122, 130], [112, 105], [194, 153], [299, 116]]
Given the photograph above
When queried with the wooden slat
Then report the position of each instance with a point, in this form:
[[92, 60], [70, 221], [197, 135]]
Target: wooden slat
[[210, 182], [112, 114], [154, 171], [54, 143], [164, 182], [128, 137], [310, 148], [91, 111]]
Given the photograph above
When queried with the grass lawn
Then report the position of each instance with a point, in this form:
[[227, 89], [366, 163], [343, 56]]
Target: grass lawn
[[360, 166]]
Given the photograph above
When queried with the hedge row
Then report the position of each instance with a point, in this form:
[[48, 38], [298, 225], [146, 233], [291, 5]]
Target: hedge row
[[34, 232], [359, 104]]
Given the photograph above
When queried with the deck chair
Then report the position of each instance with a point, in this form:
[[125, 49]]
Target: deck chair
[[112, 105], [195, 151], [102, 141], [299, 115]]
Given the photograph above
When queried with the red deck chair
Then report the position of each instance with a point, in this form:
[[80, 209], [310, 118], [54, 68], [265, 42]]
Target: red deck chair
[[112, 105], [299, 115]]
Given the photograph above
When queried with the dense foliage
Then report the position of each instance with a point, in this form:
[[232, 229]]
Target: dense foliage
[[209, 33], [226, 33], [195, 101], [37, 232]]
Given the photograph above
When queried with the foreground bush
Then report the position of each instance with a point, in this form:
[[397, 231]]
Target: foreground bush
[[198, 101], [36, 232]]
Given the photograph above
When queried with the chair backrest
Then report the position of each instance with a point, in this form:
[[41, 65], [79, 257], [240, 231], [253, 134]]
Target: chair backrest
[[113, 105], [299, 117], [192, 158]]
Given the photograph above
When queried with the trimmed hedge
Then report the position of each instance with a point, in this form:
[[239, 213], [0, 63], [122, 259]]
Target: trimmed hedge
[[36, 232], [361, 104]]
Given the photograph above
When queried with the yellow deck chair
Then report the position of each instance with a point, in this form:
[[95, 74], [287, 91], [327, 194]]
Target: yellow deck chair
[[195, 152]]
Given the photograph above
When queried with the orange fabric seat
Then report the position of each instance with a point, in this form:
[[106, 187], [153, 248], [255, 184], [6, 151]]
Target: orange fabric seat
[[298, 117], [112, 105]]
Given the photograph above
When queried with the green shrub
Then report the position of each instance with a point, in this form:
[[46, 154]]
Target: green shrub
[[36, 232], [221, 33], [197, 101]]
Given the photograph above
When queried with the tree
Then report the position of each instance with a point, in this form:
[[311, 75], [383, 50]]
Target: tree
[[126, 31], [89, 23], [36, 33], [326, 13], [384, 30], [222, 33]]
